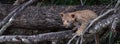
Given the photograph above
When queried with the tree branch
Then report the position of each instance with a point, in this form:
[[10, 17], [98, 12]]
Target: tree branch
[[37, 38], [11, 16]]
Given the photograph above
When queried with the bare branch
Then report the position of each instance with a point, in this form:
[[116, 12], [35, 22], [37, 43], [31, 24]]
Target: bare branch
[[9, 19], [37, 38], [117, 4], [77, 42], [83, 2], [71, 39], [5, 26], [106, 7], [14, 13]]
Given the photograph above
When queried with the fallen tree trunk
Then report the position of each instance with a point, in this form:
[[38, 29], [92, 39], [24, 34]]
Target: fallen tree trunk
[[44, 17], [55, 35]]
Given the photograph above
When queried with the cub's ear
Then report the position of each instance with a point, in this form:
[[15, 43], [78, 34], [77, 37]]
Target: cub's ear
[[73, 15], [61, 14]]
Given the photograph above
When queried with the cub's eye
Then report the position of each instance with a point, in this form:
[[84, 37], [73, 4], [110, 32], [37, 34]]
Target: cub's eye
[[61, 14], [68, 21], [73, 15]]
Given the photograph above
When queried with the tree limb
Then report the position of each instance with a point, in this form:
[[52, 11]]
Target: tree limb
[[11, 16], [37, 38]]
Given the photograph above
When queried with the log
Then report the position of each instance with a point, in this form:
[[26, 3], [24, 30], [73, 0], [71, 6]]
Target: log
[[40, 17], [36, 38], [54, 35], [44, 17]]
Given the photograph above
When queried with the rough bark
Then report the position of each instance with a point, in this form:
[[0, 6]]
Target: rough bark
[[43, 17], [36, 38]]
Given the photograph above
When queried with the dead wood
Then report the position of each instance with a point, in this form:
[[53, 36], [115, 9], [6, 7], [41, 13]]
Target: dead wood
[[36, 38], [44, 17]]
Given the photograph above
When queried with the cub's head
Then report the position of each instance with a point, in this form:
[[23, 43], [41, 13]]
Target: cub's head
[[67, 19]]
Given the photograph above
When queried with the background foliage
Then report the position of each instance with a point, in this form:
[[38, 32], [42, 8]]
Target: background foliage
[[66, 2], [76, 2]]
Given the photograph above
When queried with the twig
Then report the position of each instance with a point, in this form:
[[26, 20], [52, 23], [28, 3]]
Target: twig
[[114, 24], [5, 26], [81, 41], [116, 6], [77, 42], [106, 7], [113, 31], [97, 38], [82, 3], [71, 39]]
